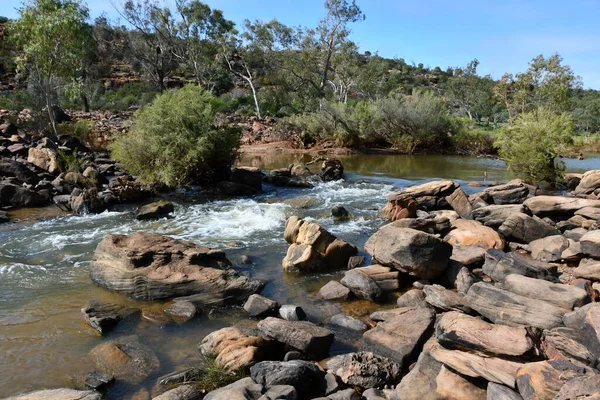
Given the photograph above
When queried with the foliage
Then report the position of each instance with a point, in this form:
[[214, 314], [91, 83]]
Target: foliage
[[16, 100], [531, 144], [80, 129], [130, 95], [68, 162], [174, 141], [212, 376]]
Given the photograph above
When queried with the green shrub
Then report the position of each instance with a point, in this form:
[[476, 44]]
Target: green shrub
[[16, 100], [127, 96], [68, 162], [531, 144], [174, 141], [81, 129]]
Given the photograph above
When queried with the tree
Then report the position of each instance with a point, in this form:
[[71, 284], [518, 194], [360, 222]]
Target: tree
[[586, 111], [470, 93], [530, 145], [53, 38], [175, 141]]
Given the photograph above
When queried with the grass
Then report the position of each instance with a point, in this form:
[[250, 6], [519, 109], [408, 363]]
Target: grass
[[214, 376]]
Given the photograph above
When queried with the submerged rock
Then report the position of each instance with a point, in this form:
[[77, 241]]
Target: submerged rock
[[151, 266], [105, 316], [59, 394], [156, 210]]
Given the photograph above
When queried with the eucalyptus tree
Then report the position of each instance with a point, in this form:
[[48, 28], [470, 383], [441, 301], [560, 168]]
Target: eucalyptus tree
[[52, 37]]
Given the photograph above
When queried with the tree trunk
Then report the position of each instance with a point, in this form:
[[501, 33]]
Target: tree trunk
[[85, 103], [258, 114], [51, 114]]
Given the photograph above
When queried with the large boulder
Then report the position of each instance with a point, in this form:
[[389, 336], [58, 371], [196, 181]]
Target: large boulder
[[234, 349], [504, 307], [332, 170], [408, 250], [565, 344], [420, 382], [473, 233], [498, 265], [522, 228], [458, 331], [544, 379], [150, 266], [10, 168], [248, 176], [304, 336], [313, 248], [495, 215], [564, 296], [371, 282], [558, 205], [304, 376], [364, 370], [588, 269], [44, 158], [549, 249], [399, 206], [399, 338], [156, 210], [18, 196], [590, 181], [513, 192], [432, 195], [459, 202], [452, 386]]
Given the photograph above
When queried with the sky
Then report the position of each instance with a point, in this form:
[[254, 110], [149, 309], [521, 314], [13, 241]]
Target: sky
[[504, 35]]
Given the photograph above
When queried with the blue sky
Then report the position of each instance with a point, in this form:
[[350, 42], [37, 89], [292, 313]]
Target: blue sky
[[503, 34]]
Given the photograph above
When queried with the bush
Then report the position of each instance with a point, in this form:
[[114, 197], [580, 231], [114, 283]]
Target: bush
[[16, 100], [80, 129], [532, 143], [127, 96], [174, 141]]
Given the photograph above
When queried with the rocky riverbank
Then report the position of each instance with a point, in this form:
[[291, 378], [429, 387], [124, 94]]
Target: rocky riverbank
[[495, 297]]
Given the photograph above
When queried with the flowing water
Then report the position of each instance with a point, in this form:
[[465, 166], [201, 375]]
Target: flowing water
[[44, 281]]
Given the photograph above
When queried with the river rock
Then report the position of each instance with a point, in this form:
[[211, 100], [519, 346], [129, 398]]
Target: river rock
[[244, 389], [522, 228], [501, 392], [304, 336], [346, 394], [399, 338], [233, 348], [18, 196], [126, 358], [59, 394], [304, 376], [97, 380], [348, 322], [413, 298], [235, 189], [513, 192], [399, 206], [364, 370], [334, 290], [339, 213], [156, 210], [371, 282], [498, 265], [452, 386], [503, 307], [443, 299], [582, 387], [564, 296], [590, 330], [314, 248], [564, 344], [410, 251], [332, 170], [492, 369], [103, 317], [291, 312], [459, 202], [549, 249], [589, 212], [260, 306], [182, 311], [457, 331], [558, 205], [248, 176], [590, 181], [420, 382], [11, 168], [183, 392], [473, 233], [495, 215], [432, 195], [590, 244], [43, 158], [544, 379], [151, 266], [469, 256]]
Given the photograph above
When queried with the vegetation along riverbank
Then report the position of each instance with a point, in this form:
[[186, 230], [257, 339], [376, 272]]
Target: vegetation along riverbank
[[191, 209]]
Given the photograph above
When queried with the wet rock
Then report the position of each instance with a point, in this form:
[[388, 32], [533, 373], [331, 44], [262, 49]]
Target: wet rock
[[260, 306], [498, 265], [244, 389], [501, 392], [18, 196], [314, 248], [399, 338], [105, 316], [4, 217], [457, 331], [371, 282], [11, 168], [443, 299], [126, 358], [181, 311], [564, 344], [558, 205], [522, 228], [334, 290], [413, 298], [339, 213], [560, 295], [304, 376], [44, 158], [290, 312], [59, 394], [345, 321], [420, 382], [544, 379], [284, 178], [503, 307], [183, 392], [492, 369], [399, 206], [580, 388], [86, 202], [156, 210], [235, 189], [151, 266], [473, 233], [332, 170], [454, 387], [459, 202], [364, 370], [247, 176], [304, 336], [233, 348], [410, 251], [590, 243], [97, 380]]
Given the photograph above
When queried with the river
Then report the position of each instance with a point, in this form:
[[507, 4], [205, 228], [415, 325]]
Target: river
[[44, 281]]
